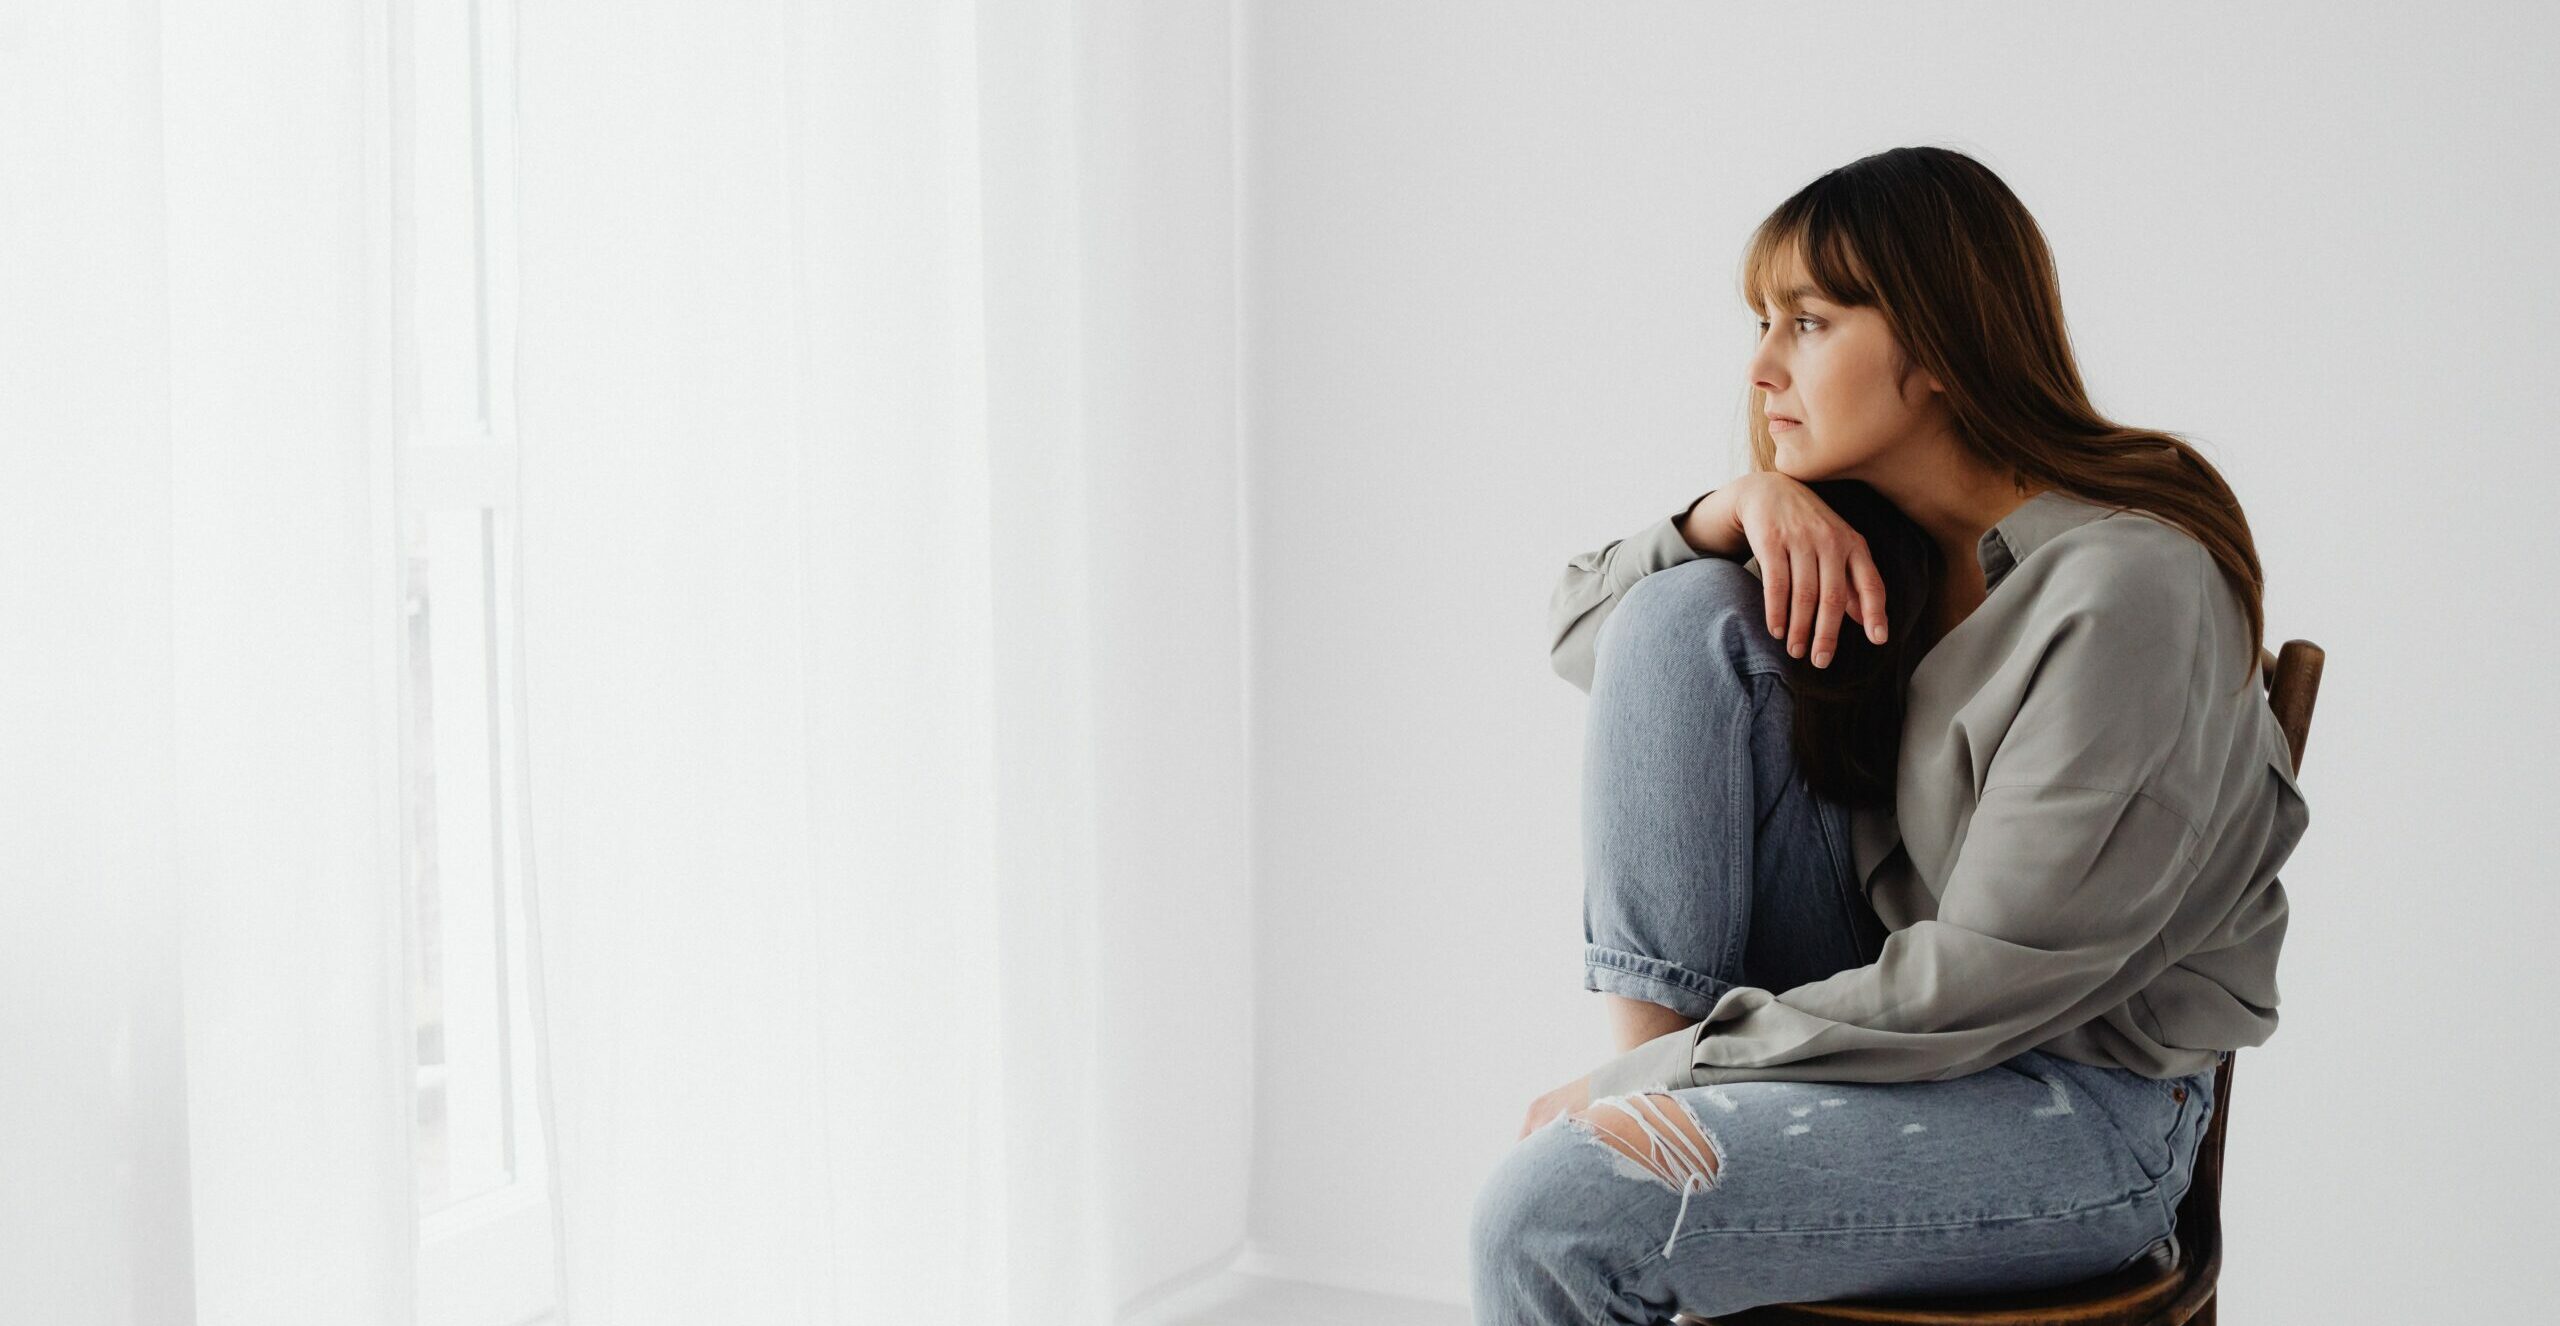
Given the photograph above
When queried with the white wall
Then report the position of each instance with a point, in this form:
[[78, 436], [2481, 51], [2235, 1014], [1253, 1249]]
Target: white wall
[[1490, 322], [1159, 259]]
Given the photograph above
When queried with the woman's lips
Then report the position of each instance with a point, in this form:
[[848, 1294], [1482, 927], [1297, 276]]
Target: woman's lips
[[1778, 425]]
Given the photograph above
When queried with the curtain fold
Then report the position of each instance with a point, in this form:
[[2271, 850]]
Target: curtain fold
[[301, 1093], [201, 962], [93, 1214], [807, 641]]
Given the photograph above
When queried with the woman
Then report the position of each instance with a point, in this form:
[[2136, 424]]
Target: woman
[[1932, 814]]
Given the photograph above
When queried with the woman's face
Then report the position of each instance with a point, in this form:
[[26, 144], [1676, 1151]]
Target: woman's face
[[1831, 368]]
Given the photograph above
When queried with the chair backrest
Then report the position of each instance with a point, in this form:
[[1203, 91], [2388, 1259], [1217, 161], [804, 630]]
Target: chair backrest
[[2293, 684]]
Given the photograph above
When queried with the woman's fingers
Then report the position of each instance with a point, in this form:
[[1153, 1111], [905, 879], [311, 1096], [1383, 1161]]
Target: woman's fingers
[[1870, 586], [1775, 591], [1807, 599], [1808, 592], [1835, 602], [1814, 570]]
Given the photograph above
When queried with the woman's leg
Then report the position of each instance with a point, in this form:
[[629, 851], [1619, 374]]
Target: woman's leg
[[1711, 864], [2037, 1171], [1708, 862]]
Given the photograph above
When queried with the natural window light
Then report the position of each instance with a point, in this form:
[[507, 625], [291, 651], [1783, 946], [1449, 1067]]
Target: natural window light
[[485, 1255]]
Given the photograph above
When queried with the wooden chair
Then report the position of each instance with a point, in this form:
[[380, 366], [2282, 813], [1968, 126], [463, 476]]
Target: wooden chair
[[2174, 1285]]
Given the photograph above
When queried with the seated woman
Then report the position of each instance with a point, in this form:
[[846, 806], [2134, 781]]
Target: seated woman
[[1922, 939]]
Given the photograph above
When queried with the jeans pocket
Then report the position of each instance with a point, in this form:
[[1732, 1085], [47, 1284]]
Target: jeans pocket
[[2155, 1121]]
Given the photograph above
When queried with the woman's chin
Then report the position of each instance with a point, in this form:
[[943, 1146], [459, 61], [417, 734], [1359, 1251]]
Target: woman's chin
[[1802, 468]]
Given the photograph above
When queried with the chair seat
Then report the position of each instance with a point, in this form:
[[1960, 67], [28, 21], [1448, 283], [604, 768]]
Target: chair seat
[[2160, 1286]]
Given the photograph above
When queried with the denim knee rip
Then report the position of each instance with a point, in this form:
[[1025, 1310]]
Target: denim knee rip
[[1672, 1158]]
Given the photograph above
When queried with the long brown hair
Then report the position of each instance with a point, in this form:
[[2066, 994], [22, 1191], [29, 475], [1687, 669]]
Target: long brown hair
[[1847, 729], [1934, 241]]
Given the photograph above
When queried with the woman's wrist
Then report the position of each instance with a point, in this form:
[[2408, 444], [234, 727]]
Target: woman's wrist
[[1708, 525]]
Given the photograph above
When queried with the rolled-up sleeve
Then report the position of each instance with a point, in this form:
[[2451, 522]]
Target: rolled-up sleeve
[[2071, 866], [1592, 584]]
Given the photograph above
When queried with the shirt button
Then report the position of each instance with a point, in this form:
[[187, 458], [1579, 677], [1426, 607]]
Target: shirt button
[[2177, 1093]]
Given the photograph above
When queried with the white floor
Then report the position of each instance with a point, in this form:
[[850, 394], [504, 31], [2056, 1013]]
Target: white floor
[[1233, 1298]]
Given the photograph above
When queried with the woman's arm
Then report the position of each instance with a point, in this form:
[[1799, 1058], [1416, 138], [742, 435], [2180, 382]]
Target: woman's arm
[[1593, 582]]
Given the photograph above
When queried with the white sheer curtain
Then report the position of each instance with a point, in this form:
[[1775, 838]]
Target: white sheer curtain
[[807, 656], [205, 1115], [853, 702]]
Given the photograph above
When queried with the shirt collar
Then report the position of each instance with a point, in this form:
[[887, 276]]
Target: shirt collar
[[2035, 523]]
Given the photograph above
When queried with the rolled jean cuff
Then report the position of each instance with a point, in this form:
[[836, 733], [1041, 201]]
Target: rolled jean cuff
[[1615, 971]]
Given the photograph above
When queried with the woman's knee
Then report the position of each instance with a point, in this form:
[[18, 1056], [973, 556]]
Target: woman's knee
[[1521, 1200], [1688, 611], [1561, 1218]]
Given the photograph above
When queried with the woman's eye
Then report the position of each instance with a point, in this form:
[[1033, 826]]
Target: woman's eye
[[1763, 325]]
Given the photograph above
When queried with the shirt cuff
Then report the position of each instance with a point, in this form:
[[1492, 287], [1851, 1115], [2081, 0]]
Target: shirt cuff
[[1655, 547], [1660, 1064]]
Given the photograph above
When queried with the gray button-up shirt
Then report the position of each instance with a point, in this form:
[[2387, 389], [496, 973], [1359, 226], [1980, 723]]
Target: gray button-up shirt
[[2092, 802]]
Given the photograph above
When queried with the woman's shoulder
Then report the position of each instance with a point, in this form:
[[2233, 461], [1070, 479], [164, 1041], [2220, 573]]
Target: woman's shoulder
[[2139, 582], [2131, 565]]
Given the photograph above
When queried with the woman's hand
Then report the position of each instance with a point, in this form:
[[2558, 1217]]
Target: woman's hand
[[1573, 1095], [1814, 566]]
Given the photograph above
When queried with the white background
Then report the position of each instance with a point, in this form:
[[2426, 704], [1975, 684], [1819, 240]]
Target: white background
[[1492, 321]]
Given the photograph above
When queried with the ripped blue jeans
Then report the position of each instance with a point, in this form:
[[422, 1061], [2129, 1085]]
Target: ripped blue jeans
[[1709, 863]]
